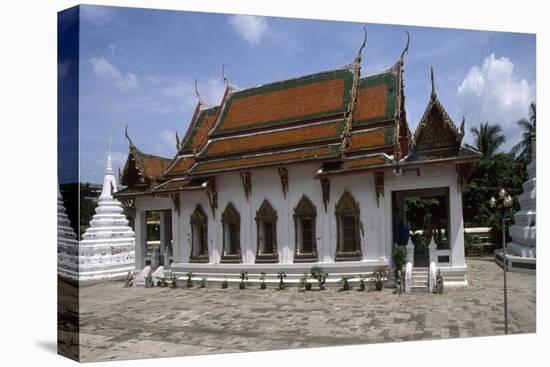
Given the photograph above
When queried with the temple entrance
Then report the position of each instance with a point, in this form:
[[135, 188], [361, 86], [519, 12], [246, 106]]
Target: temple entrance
[[158, 250], [420, 215]]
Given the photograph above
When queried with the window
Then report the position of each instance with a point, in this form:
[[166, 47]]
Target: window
[[305, 214], [348, 247], [348, 223], [199, 236], [231, 224], [266, 224]]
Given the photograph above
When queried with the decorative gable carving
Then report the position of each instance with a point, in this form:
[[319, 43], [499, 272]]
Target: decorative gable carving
[[436, 129]]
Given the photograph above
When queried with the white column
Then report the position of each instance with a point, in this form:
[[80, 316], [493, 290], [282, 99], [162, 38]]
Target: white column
[[165, 234], [410, 251], [432, 248], [141, 238], [456, 240], [176, 239]]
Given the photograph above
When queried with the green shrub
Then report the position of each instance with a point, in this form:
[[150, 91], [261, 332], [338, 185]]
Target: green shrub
[[399, 256]]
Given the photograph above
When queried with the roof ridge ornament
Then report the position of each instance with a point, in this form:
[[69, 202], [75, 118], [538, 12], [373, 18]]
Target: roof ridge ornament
[[197, 94], [130, 142], [461, 129], [406, 49], [345, 137], [358, 57], [434, 95], [230, 86], [178, 142]]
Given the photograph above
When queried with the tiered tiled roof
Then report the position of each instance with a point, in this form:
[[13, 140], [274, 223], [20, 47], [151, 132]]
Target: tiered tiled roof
[[266, 159], [197, 134], [268, 125], [142, 168], [291, 101], [337, 117]]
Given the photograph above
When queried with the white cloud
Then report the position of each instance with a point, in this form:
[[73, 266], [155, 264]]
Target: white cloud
[[250, 27], [495, 94], [97, 15], [167, 143], [104, 70]]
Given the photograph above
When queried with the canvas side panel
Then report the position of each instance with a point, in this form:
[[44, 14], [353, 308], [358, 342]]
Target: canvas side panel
[[68, 173]]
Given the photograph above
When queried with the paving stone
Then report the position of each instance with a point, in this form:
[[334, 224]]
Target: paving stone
[[124, 323]]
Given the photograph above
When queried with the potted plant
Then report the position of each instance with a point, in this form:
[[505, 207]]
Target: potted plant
[[163, 282], [304, 283], [319, 275], [203, 283], [439, 282], [173, 283], [399, 256], [244, 276], [262, 280], [281, 275], [378, 278], [224, 283], [362, 279], [345, 283], [189, 280], [149, 281]]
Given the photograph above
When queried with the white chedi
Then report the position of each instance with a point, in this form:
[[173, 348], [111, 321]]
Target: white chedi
[[523, 232], [107, 249], [67, 244]]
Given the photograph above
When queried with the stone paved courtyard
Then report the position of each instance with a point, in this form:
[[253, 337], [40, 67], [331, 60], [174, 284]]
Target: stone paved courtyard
[[118, 323]]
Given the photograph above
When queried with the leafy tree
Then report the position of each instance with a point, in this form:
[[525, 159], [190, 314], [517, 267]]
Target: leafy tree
[[524, 148], [488, 138], [492, 173]]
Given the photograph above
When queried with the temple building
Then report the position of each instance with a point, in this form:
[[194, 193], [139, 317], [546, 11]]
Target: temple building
[[309, 171], [107, 248], [522, 251]]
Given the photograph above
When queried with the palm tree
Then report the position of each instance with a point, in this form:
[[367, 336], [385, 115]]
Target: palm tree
[[488, 138], [525, 146]]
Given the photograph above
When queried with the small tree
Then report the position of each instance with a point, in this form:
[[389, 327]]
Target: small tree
[[319, 275], [399, 256], [281, 275], [262, 280], [244, 277], [189, 279], [345, 283]]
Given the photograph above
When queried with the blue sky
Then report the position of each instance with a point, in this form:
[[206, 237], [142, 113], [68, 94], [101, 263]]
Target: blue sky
[[138, 66]]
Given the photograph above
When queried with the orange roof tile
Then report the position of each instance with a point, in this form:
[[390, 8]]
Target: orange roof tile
[[369, 139], [154, 166], [181, 166], [272, 139], [371, 102], [288, 101], [294, 156], [363, 162]]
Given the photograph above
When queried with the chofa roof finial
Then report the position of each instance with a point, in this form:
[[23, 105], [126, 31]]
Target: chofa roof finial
[[201, 101], [178, 143], [406, 50], [230, 86], [225, 80], [128, 137], [358, 57], [434, 96]]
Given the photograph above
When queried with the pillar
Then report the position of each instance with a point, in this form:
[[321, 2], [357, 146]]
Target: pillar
[[141, 238], [456, 228], [410, 251], [165, 235]]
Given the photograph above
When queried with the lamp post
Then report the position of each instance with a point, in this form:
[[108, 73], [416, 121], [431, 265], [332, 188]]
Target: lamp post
[[503, 203]]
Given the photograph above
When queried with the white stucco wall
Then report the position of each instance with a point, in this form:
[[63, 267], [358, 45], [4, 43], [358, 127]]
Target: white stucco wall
[[375, 220]]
